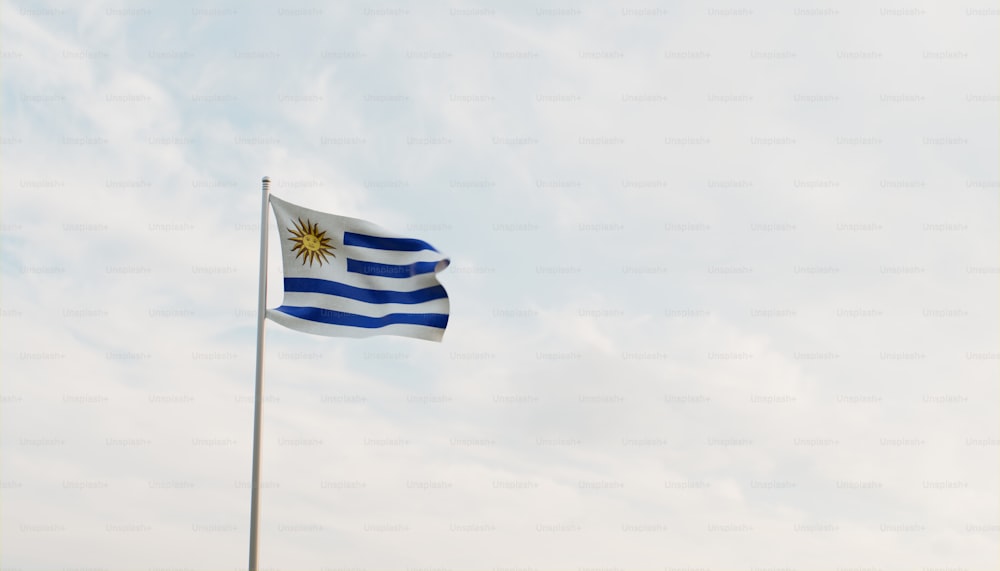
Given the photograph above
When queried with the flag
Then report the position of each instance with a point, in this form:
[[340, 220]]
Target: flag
[[345, 277]]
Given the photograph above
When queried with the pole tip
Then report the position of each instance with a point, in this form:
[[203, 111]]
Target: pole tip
[[266, 179]]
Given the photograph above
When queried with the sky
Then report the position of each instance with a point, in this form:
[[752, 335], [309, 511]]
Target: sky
[[723, 285]]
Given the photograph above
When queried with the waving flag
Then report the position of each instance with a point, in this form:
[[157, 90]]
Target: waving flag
[[345, 277]]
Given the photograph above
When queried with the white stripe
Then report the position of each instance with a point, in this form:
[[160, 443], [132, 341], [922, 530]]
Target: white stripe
[[373, 282], [316, 328], [391, 256], [336, 303]]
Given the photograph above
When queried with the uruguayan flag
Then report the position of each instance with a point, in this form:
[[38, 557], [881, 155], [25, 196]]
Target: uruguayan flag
[[345, 277]]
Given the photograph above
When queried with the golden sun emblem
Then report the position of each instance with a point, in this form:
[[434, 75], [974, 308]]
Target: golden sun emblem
[[310, 243]]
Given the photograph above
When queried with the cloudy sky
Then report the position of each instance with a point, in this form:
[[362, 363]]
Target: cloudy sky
[[723, 285]]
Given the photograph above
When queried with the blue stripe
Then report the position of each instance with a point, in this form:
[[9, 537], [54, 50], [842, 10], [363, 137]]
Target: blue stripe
[[380, 243], [353, 320], [389, 270], [314, 285]]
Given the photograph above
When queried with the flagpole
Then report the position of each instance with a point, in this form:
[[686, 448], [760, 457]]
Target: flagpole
[[259, 389]]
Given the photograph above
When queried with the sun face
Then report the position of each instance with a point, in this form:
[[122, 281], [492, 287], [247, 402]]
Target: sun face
[[311, 244]]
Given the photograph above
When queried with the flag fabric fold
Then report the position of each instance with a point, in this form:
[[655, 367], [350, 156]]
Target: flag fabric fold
[[345, 277]]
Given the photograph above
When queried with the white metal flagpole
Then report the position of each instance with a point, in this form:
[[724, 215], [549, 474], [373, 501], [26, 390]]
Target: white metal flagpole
[[258, 399]]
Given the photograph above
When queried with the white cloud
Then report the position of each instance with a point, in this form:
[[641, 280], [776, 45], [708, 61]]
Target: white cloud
[[723, 286]]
